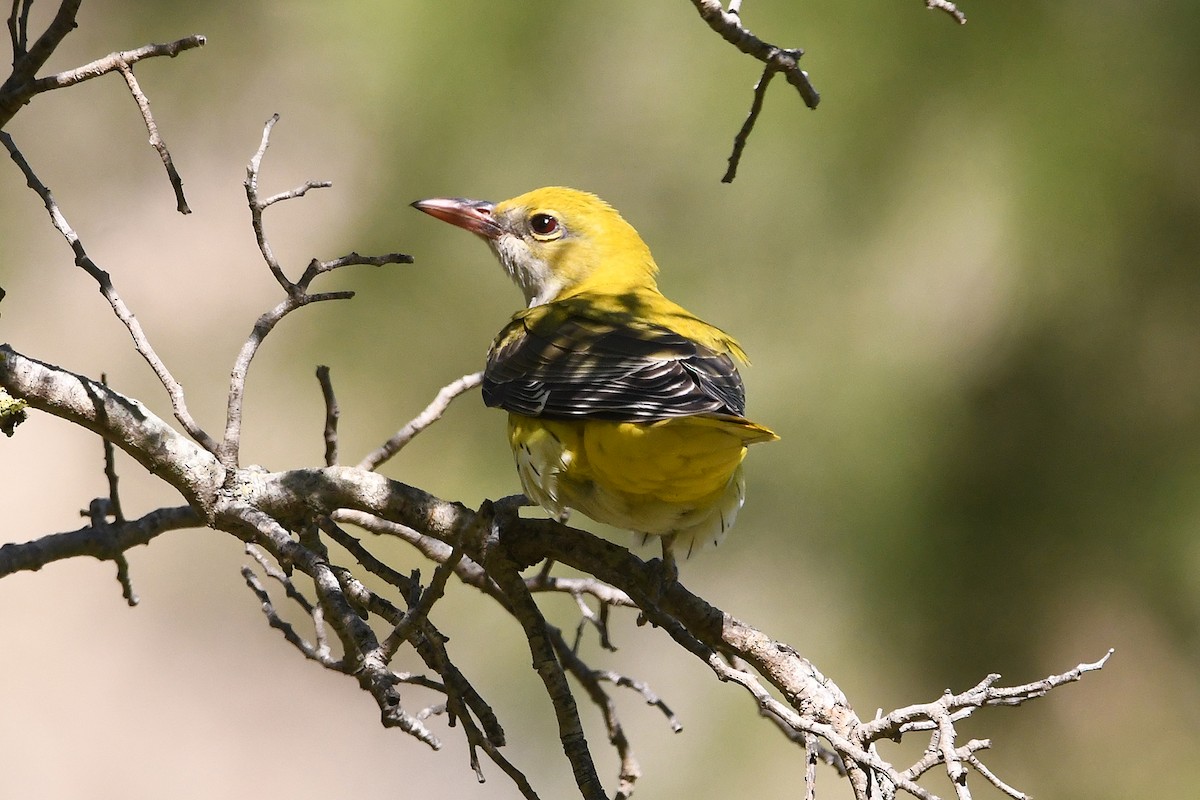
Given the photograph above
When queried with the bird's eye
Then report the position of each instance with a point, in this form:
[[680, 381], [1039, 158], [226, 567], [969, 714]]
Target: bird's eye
[[544, 226]]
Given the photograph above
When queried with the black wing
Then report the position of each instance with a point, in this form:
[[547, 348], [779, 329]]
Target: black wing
[[575, 367]]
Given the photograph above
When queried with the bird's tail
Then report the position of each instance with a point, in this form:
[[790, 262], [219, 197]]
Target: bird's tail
[[749, 432]]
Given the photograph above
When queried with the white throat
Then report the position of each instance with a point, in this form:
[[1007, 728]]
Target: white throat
[[538, 282]]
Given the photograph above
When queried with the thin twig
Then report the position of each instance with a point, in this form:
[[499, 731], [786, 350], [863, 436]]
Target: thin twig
[[22, 86], [467, 570], [949, 8], [648, 694], [739, 141], [113, 509], [98, 511], [140, 341], [363, 556], [18, 28], [113, 62], [728, 23], [313, 610], [953, 706], [110, 472], [332, 413], [991, 778], [341, 595], [314, 653], [432, 413], [316, 267], [477, 739], [156, 140], [810, 766], [934, 756], [425, 638], [257, 206]]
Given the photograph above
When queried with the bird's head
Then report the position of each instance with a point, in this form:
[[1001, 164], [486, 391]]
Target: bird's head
[[555, 242]]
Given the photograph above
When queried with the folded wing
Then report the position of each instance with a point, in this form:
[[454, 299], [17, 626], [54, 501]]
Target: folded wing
[[561, 364]]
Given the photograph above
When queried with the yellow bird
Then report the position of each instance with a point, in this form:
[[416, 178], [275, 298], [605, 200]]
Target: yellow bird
[[622, 405]]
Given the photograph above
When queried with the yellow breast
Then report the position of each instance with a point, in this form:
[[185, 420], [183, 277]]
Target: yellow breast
[[679, 476]]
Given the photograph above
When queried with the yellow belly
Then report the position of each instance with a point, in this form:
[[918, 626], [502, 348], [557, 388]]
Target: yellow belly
[[681, 476]]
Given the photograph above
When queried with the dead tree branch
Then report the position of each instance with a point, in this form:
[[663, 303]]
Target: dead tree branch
[[292, 524], [807, 702], [22, 85]]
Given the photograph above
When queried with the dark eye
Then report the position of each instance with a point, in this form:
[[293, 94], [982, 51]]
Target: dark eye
[[543, 224]]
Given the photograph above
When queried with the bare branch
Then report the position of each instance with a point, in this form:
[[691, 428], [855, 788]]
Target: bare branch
[[257, 206], [428, 596], [140, 340], [331, 416], [314, 653], [98, 512], [21, 85], [13, 92], [427, 641], [110, 472], [796, 695], [114, 62], [545, 662], [728, 23], [316, 267], [956, 706], [991, 778], [739, 141], [297, 293], [156, 141], [127, 423], [630, 769], [810, 766], [231, 444], [775, 59], [729, 26], [18, 28], [949, 8], [432, 413], [467, 570], [642, 688], [290, 194], [98, 542]]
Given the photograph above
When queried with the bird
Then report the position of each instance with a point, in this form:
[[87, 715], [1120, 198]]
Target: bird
[[621, 404]]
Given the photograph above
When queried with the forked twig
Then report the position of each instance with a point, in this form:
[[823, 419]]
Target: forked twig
[[297, 292]]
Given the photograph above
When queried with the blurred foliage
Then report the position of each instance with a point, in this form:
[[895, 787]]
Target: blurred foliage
[[968, 280]]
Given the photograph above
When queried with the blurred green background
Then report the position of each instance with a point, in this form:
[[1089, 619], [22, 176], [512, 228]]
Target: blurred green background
[[968, 282]]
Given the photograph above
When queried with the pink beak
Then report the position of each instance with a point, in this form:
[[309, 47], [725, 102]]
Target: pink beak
[[472, 215]]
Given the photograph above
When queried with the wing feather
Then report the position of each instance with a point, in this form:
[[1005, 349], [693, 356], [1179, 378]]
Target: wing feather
[[561, 364]]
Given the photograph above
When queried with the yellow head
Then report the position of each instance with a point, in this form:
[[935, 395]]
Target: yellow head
[[555, 242]]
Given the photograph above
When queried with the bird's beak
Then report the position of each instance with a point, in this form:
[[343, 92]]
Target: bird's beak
[[472, 215]]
